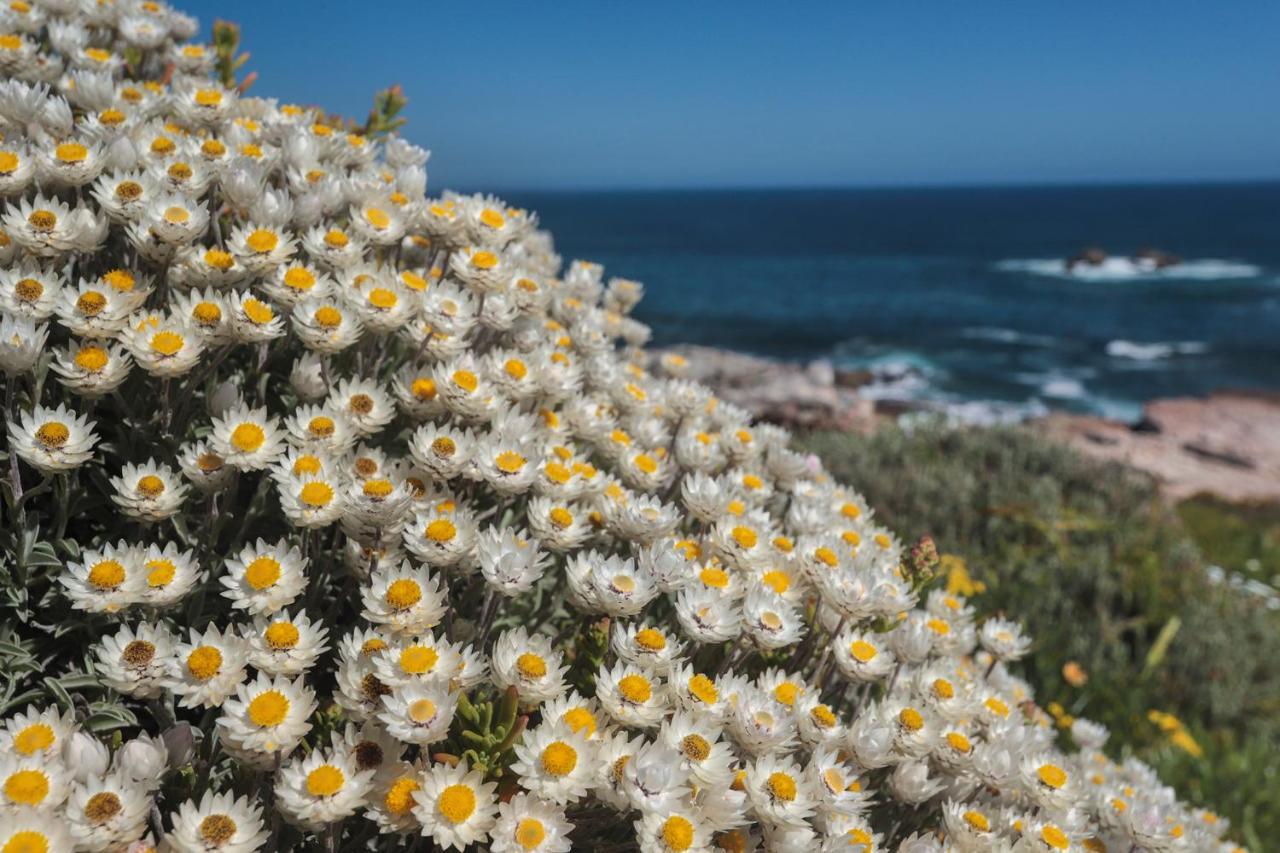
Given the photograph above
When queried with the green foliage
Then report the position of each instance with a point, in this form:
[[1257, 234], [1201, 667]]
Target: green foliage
[[226, 44], [1105, 575], [384, 119], [1240, 537]]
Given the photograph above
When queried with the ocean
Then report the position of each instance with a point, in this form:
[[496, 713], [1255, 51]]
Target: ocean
[[957, 296]]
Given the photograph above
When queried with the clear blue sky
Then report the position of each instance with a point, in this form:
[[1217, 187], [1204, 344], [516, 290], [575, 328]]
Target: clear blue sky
[[663, 94]]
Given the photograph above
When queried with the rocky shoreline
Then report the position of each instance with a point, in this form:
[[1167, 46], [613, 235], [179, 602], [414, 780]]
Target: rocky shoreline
[[1226, 444]]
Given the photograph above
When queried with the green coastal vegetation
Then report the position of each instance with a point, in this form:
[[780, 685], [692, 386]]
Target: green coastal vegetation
[[1132, 630]]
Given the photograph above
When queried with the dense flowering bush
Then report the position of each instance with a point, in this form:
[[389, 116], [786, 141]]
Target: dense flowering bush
[[380, 528]]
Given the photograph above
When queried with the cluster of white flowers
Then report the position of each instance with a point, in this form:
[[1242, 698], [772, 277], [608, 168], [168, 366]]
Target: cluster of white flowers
[[382, 467]]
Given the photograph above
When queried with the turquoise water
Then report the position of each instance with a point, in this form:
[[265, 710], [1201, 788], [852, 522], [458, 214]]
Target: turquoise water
[[957, 294]]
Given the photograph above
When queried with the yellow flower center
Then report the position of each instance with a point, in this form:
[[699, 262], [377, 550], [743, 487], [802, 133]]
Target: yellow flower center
[[422, 711], [160, 572], [651, 639], [204, 662], [441, 530], [102, 806], [1055, 838], [263, 572], [258, 312], [212, 148], [484, 260], [695, 747], [206, 313], [787, 692], [217, 829], [492, 218], [43, 220], [714, 577], [959, 742], [162, 145], [382, 298], [559, 758], [316, 494], [579, 719], [457, 803], [71, 152], [744, 537], [167, 343], [778, 581], [336, 239], [531, 666], [9, 162], [262, 240], [306, 465], [636, 689], [646, 463], [911, 719], [560, 517], [325, 781], [403, 594], [248, 437], [91, 303], [28, 290], [782, 786], [106, 575], [703, 689], [269, 708], [299, 278], [208, 97], [399, 799], [530, 833], [281, 635], [509, 462], [1052, 775], [943, 689], [677, 833], [822, 716], [53, 434], [181, 172], [417, 660], [219, 259], [91, 358], [977, 820], [36, 737], [361, 404], [377, 489], [378, 218], [27, 787], [515, 368]]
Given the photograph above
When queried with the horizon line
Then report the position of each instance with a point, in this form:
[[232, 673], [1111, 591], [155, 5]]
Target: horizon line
[[873, 187]]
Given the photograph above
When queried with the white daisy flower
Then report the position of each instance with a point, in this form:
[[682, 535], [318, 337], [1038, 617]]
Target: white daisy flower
[[321, 788], [247, 439], [311, 501], [281, 644], [529, 664], [364, 403], [673, 830], [418, 712], [29, 291], [21, 344], [696, 739], [265, 578], [631, 696], [325, 325], [208, 668], [106, 813], [221, 822], [455, 806], [105, 580], [780, 791], [527, 824], [148, 492], [424, 659], [53, 440], [136, 662], [266, 716], [37, 734], [252, 320], [164, 347], [405, 599], [31, 784], [92, 368], [31, 830], [555, 762]]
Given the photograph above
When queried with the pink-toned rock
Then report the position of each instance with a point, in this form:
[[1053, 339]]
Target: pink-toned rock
[[1227, 444]]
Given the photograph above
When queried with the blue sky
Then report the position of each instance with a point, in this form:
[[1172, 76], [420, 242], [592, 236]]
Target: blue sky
[[697, 94]]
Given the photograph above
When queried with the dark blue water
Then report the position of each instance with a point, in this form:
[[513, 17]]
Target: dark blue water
[[961, 284]]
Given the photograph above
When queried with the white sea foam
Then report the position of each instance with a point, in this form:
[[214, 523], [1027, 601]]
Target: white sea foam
[[1126, 269], [1007, 336], [1063, 388], [1155, 350]]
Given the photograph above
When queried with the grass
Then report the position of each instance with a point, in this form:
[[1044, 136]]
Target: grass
[[1109, 577], [1239, 537]]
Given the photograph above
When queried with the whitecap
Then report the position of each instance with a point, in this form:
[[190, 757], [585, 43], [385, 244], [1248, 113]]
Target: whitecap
[[1063, 388], [1155, 350], [1001, 335], [1127, 269]]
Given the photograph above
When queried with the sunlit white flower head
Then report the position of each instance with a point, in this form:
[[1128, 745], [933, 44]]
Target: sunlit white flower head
[[631, 696], [207, 668], [264, 578], [220, 821], [455, 806], [555, 762], [284, 644], [53, 440], [529, 664], [321, 788]]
